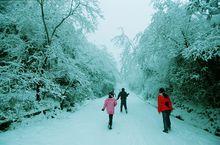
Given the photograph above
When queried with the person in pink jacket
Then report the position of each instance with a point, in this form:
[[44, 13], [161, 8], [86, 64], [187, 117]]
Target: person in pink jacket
[[110, 104]]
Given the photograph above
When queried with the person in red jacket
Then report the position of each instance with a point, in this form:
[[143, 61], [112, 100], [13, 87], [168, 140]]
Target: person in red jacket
[[165, 106]]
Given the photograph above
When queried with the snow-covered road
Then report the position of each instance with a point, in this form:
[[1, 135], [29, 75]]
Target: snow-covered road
[[88, 126]]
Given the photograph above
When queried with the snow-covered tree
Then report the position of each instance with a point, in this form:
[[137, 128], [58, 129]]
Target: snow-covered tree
[[47, 54], [178, 50]]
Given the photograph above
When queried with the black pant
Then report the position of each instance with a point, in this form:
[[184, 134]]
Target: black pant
[[166, 119], [123, 103], [110, 120]]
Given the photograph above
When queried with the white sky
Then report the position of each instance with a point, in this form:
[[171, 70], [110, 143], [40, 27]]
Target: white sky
[[132, 15]]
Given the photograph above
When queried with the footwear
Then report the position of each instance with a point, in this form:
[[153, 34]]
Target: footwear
[[109, 127], [166, 131], [126, 111]]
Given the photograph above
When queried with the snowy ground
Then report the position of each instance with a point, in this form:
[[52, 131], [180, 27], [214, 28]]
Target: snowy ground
[[88, 126]]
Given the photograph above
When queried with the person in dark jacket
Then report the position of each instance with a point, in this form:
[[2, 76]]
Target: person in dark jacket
[[123, 95], [165, 106]]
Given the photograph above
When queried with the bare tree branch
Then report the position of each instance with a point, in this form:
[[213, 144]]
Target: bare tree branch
[[70, 13], [41, 2]]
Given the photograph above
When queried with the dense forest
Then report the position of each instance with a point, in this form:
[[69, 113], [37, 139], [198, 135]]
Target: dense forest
[[180, 50], [46, 59]]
